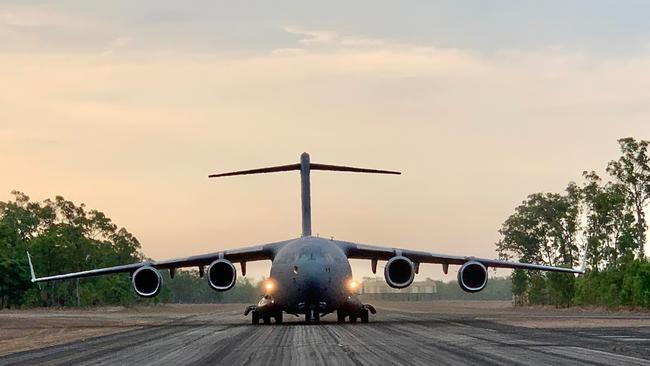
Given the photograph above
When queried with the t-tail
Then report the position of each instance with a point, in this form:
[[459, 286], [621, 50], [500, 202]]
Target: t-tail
[[305, 166]]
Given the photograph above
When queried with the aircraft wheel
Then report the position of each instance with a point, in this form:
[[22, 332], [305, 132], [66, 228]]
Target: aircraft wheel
[[364, 316], [316, 317], [278, 318], [255, 317], [353, 318], [266, 319], [340, 316]]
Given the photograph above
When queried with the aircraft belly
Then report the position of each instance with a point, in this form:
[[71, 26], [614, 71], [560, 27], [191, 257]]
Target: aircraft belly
[[318, 285]]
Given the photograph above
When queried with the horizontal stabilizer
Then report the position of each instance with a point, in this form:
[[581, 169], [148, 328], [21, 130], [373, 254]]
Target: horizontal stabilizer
[[273, 169], [340, 168], [312, 166], [305, 166]]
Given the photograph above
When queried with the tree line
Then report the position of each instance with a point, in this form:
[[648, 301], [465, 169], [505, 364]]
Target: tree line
[[63, 237], [602, 217]]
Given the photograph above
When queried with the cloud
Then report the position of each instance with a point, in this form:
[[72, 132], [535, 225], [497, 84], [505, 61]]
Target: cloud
[[117, 44], [334, 52], [313, 37], [25, 17]]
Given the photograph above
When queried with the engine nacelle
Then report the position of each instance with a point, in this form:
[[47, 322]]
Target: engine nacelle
[[222, 275], [146, 281], [472, 276], [399, 272]]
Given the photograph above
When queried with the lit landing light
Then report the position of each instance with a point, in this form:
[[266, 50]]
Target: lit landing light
[[269, 286], [353, 285]]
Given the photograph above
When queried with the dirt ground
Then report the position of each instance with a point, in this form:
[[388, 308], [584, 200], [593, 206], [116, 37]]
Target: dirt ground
[[31, 329], [503, 312]]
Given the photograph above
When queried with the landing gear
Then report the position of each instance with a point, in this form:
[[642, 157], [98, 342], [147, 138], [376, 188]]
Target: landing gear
[[340, 317], [266, 319], [312, 316], [364, 315], [355, 312]]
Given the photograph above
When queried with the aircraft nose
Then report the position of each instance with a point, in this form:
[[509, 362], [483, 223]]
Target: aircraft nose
[[310, 273], [312, 281]]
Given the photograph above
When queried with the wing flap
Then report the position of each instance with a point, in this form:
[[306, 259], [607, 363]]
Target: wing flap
[[249, 254], [372, 252]]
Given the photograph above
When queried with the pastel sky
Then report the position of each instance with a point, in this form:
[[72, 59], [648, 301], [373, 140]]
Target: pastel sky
[[127, 106]]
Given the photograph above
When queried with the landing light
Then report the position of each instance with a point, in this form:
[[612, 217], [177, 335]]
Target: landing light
[[353, 285], [268, 286]]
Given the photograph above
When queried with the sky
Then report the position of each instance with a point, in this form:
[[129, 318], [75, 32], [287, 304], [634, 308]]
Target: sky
[[128, 106]]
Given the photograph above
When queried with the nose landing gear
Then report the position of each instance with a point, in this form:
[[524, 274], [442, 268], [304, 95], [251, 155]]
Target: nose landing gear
[[312, 316]]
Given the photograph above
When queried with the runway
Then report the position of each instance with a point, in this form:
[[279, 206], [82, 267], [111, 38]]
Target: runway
[[398, 334]]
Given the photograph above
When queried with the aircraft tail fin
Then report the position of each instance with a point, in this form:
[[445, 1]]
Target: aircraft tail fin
[[305, 166]]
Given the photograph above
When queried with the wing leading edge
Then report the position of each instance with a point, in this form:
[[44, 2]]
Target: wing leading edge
[[372, 252], [249, 254]]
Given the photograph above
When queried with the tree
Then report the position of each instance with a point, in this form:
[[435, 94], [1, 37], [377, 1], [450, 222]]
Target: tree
[[543, 230], [610, 230], [607, 216], [65, 237], [62, 237], [632, 172]]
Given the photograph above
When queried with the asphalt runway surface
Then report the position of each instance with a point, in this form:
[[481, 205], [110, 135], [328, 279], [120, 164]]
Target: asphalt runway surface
[[396, 335]]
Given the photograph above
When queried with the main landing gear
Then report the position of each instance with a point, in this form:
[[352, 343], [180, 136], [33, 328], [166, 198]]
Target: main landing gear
[[261, 313], [256, 316], [362, 314]]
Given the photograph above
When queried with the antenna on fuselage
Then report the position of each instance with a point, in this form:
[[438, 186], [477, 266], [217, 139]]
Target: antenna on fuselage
[[305, 166]]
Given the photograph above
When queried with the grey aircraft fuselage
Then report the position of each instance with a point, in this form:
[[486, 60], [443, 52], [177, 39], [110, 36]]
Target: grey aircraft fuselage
[[310, 271]]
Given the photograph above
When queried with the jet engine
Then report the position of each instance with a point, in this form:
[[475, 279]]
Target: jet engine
[[472, 276], [399, 272], [146, 281], [222, 275]]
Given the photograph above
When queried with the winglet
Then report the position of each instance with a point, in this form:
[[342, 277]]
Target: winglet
[[31, 267], [583, 261]]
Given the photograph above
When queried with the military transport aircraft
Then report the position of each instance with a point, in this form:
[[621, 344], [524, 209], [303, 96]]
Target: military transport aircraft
[[309, 275]]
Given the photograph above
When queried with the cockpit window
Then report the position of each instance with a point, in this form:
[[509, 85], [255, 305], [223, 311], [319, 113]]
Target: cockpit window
[[310, 253]]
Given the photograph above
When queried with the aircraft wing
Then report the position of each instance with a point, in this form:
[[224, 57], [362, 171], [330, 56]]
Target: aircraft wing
[[249, 254], [372, 252]]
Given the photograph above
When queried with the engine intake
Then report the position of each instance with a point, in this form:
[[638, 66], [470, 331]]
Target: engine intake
[[399, 272], [222, 275], [472, 276], [146, 281]]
